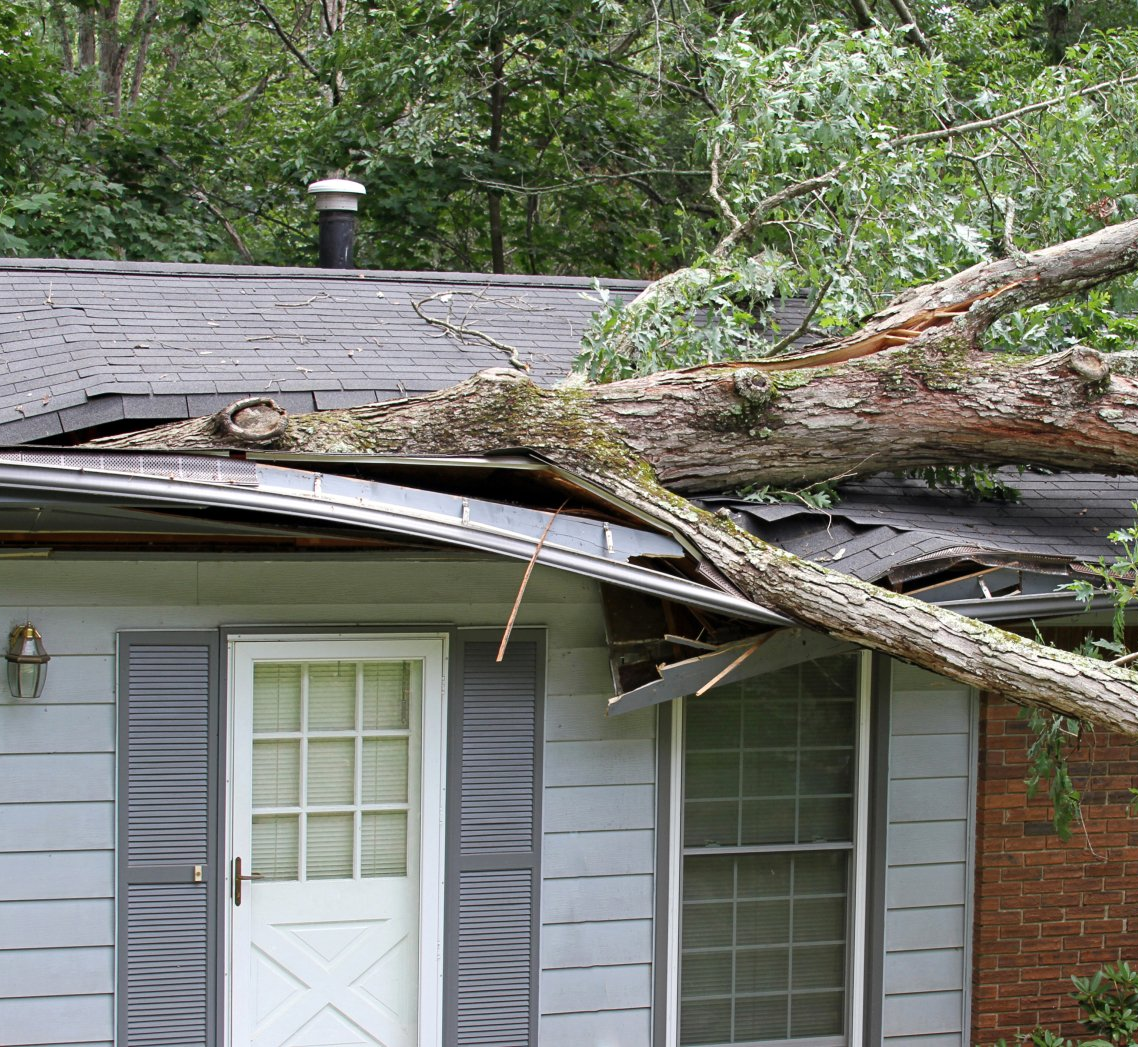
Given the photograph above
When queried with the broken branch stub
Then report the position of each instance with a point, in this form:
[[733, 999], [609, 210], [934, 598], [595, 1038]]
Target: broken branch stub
[[255, 421]]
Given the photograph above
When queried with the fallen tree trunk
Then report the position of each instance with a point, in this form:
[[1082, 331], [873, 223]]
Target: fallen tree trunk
[[718, 429], [913, 391]]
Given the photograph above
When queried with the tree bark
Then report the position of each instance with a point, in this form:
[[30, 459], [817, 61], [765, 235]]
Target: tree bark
[[497, 114], [911, 389]]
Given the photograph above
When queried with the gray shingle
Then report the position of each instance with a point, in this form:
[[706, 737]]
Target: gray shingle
[[155, 329], [885, 522]]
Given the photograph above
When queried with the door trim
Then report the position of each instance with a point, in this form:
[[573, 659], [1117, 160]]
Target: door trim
[[433, 646]]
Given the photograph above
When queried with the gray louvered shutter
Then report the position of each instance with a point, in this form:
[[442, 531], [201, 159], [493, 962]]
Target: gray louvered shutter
[[494, 842], [168, 748]]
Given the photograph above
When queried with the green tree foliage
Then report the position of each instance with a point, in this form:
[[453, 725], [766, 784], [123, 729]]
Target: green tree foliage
[[1109, 1002], [574, 136], [871, 165]]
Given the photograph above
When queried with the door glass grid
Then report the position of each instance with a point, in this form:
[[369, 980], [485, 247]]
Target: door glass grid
[[330, 767], [768, 778]]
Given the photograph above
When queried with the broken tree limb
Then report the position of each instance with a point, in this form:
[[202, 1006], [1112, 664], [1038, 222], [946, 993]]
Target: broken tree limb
[[499, 408], [714, 429], [924, 395]]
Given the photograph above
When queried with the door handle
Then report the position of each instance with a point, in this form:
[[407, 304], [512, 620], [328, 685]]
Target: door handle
[[238, 879]]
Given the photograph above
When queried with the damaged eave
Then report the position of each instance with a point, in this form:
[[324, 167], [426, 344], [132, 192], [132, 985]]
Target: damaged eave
[[730, 663], [596, 549]]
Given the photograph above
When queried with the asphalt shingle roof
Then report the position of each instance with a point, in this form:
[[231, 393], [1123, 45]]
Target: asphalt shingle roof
[[82, 343], [85, 343], [886, 523]]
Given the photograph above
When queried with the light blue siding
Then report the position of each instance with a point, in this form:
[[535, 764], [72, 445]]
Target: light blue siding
[[56, 855], [599, 891], [928, 884], [57, 771], [631, 1028]]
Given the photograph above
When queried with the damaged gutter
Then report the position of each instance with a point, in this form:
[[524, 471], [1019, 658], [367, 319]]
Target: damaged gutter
[[341, 500], [1013, 608]]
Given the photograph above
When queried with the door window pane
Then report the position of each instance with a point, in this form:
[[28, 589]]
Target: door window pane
[[276, 697], [385, 694], [383, 844], [276, 846], [329, 851], [385, 770], [332, 696], [331, 772], [344, 769], [276, 774]]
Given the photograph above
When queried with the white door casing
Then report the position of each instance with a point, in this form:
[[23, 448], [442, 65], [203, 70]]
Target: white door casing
[[336, 779]]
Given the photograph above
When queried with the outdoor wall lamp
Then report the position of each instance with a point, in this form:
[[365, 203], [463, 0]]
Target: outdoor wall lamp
[[27, 663]]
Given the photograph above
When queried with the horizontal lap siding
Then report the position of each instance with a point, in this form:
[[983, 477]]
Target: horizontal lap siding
[[57, 854], [598, 860], [57, 755], [927, 888]]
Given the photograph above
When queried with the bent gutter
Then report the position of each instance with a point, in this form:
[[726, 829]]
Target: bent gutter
[[159, 491], [1010, 608]]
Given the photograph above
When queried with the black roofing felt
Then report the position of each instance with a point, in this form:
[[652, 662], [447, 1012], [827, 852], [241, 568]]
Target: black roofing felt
[[85, 343], [885, 523]]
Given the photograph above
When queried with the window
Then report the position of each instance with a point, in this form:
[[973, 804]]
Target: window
[[772, 771], [330, 768]]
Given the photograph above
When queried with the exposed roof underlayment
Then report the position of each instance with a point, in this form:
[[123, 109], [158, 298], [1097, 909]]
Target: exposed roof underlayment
[[900, 533]]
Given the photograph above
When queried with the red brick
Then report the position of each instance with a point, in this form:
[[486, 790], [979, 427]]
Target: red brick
[[1044, 908]]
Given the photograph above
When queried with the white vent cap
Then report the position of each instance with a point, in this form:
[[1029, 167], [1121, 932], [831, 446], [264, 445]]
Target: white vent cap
[[337, 194]]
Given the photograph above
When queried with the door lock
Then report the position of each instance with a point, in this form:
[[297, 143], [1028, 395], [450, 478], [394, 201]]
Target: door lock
[[238, 879]]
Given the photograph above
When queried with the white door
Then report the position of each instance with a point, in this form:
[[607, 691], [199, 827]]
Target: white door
[[336, 813]]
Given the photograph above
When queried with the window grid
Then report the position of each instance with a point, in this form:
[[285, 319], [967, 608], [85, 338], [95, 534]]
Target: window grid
[[796, 952], [359, 735]]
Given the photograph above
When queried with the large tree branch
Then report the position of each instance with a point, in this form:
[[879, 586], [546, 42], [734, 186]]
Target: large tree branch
[[909, 390], [503, 408], [923, 395]]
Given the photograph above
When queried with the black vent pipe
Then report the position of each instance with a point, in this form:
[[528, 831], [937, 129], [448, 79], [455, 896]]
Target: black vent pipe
[[336, 201]]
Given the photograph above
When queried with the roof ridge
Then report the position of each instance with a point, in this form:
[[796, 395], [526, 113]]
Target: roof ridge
[[184, 269]]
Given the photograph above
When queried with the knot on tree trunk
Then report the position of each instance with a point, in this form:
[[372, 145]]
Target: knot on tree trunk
[[1089, 364], [255, 422], [752, 387]]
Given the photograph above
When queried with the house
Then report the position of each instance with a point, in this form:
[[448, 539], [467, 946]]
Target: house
[[289, 782]]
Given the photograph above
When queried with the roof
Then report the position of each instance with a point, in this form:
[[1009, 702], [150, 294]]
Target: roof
[[901, 532], [88, 343]]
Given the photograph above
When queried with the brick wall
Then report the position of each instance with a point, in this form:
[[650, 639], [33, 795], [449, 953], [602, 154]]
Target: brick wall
[[1046, 909]]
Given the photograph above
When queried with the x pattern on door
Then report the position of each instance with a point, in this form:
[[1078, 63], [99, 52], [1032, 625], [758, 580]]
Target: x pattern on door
[[334, 983]]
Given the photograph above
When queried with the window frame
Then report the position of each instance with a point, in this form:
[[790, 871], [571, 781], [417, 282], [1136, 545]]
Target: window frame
[[859, 895]]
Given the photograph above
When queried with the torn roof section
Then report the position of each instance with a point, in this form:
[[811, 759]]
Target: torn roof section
[[941, 544], [97, 347], [75, 499]]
